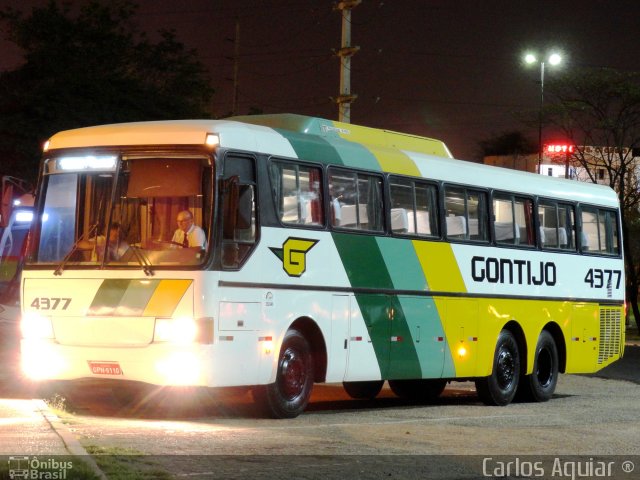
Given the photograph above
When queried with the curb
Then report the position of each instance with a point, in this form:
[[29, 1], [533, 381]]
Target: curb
[[70, 442]]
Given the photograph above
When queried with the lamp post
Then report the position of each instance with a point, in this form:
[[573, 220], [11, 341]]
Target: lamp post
[[553, 59]]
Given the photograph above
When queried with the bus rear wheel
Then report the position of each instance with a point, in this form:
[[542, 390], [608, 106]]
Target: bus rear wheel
[[289, 395], [363, 390], [500, 387], [541, 384], [427, 390]]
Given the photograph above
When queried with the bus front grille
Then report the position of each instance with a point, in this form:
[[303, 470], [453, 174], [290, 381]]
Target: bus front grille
[[610, 333]]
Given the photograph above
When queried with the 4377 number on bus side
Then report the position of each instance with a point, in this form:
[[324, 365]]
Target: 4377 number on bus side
[[599, 278]]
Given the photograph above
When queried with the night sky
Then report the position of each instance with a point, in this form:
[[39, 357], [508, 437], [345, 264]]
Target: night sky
[[448, 69]]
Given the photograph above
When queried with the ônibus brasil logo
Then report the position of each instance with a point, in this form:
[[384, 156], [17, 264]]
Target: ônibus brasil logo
[[294, 255]]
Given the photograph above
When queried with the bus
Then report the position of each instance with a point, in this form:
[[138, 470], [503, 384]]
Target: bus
[[334, 253]]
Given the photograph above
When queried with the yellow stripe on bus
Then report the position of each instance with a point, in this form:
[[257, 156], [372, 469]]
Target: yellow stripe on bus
[[166, 298], [439, 266], [395, 162]]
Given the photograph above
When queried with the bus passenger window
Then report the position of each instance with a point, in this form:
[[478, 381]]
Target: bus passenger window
[[414, 207], [600, 231], [466, 214], [356, 200], [504, 228], [297, 191], [557, 225], [478, 216], [513, 220], [426, 210]]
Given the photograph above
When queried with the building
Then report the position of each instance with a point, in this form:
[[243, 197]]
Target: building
[[560, 160]]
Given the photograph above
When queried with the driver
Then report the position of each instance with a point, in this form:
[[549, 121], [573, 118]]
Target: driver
[[188, 235]]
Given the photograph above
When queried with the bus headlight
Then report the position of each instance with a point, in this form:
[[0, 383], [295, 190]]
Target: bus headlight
[[184, 330], [40, 360], [35, 326]]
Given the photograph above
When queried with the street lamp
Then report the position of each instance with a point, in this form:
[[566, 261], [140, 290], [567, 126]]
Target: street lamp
[[530, 59]]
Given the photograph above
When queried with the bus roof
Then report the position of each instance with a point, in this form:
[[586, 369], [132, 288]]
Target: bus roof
[[327, 141]]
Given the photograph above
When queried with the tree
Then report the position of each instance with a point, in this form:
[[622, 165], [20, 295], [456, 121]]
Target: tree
[[601, 108], [87, 65]]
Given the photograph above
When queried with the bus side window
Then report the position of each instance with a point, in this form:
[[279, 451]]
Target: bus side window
[[414, 207], [297, 191], [600, 231], [466, 214], [239, 229], [557, 225], [513, 220], [356, 200]]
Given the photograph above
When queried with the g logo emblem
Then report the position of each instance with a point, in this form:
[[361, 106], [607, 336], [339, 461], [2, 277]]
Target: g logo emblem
[[294, 255]]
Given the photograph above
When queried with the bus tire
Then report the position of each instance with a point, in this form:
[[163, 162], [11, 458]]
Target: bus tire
[[500, 387], [427, 390], [289, 395], [363, 390], [541, 384]]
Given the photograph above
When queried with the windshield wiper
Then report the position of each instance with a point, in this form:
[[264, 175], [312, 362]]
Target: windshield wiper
[[65, 260], [144, 262]]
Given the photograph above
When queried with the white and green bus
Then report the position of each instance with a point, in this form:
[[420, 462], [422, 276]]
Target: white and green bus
[[333, 253]]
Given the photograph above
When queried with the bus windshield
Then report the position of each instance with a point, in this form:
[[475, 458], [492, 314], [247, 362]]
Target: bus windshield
[[139, 212]]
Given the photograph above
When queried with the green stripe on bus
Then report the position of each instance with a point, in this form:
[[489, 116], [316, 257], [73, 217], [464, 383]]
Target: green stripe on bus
[[136, 298], [402, 264], [363, 261], [310, 148], [415, 349], [108, 296], [355, 155], [365, 267]]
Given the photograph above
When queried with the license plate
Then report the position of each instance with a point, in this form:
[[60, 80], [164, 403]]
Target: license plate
[[105, 368]]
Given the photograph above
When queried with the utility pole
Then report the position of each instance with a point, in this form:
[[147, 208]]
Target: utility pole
[[346, 98]]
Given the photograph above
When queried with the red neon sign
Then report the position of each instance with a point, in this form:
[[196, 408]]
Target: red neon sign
[[559, 148]]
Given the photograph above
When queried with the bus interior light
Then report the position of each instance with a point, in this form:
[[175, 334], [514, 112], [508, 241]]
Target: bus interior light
[[24, 217]]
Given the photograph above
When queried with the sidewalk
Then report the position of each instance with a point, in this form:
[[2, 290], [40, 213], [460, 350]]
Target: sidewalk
[[26, 425], [27, 428]]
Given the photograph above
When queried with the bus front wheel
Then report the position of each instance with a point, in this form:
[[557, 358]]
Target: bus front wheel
[[289, 395], [500, 387], [540, 385]]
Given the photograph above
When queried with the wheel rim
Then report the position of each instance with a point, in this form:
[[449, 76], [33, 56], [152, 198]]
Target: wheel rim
[[293, 374], [506, 368], [544, 367]]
